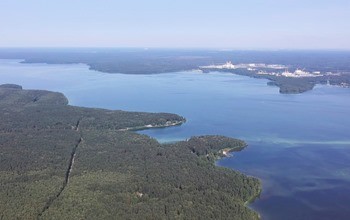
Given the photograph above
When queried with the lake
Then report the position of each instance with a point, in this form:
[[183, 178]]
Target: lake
[[299, 145]]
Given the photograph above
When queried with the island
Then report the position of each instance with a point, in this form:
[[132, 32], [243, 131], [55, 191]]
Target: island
[[59, 161]]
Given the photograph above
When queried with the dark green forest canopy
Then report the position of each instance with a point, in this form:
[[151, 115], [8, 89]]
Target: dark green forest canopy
[[63, 162]]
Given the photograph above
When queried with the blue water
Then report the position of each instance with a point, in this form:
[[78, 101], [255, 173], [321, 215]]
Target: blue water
[[299, 145]]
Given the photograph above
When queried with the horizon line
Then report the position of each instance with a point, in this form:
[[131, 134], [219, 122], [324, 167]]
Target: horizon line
[[176, 48]]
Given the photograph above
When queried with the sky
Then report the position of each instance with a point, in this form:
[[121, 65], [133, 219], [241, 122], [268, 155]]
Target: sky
[[221, 24]]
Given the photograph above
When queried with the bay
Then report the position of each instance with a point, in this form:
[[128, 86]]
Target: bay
[[299, 145]]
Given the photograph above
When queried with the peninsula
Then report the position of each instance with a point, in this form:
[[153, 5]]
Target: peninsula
[[65, 162]]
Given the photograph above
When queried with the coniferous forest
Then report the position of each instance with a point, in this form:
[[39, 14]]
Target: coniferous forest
[[64, 162]]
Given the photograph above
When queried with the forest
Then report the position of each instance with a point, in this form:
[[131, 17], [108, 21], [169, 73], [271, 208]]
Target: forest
[[64, 162]]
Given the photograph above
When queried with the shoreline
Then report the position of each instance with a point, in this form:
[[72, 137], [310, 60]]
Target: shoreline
[[226, 153], [92, 125], [286, 85], [150, 126]]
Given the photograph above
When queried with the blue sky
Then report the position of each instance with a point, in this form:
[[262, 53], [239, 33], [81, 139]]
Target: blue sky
[[224, 24]]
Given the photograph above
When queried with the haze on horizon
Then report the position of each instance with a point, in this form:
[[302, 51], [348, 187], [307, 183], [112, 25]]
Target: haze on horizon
[[225, 24]]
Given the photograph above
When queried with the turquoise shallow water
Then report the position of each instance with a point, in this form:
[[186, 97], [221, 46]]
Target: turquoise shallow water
[[299, 145]]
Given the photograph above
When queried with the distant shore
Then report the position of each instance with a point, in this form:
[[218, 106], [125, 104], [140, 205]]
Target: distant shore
[[166, 61]]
